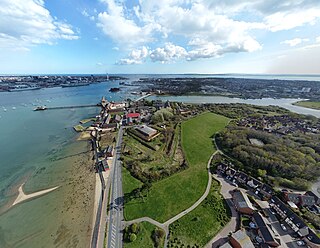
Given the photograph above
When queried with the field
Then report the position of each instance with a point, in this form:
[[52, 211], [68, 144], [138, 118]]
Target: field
[[198, 227], [144, 238], [308, 104], [170, 196], [129, 183]]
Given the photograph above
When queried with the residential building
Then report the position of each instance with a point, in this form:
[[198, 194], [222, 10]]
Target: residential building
[[240, 239], [242, 202], [264, 231], [147, 132]]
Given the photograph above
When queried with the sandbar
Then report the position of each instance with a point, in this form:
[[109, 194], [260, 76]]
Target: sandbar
[[23, 197]]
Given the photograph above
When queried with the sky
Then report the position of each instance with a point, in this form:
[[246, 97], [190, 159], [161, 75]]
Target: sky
[[159, 36]]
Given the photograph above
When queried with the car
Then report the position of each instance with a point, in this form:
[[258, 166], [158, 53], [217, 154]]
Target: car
[[283, 227], [259, 239], [234, 184], [301, 243], [273, 212]]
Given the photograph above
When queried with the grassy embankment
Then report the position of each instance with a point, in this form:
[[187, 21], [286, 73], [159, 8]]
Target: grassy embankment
[[174, 194], [198, 227], [308, 104]]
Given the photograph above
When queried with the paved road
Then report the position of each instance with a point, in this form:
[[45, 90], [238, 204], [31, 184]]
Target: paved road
[[116, 199], [220, 238]]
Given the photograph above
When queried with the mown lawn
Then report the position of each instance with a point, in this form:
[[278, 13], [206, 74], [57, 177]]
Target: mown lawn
[[178, 192], [199, 226], [308, 104], [143, 237]]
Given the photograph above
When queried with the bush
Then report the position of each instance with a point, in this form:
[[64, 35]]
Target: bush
[[133, 237]]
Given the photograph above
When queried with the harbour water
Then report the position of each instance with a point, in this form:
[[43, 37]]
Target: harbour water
[[40, 148]]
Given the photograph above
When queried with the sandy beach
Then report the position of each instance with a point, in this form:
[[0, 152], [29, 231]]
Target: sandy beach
[[23, 197]]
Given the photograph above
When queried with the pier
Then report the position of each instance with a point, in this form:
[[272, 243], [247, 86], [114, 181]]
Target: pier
[[142, 97], [70, 107]]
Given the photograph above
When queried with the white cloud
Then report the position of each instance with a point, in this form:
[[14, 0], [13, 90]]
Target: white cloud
[[168, 53], [318, 39], [137, 56], [24, 23], [201, 49], [210, 28], [85, 13], [99, 64], [294, 42], [122, 30]]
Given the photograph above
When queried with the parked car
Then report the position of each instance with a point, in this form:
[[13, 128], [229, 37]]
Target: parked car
[[283, 227], [301, 243], [234, 184], [271, 211]]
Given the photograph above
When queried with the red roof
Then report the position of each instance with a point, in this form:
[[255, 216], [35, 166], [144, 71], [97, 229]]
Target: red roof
[[133, 115]]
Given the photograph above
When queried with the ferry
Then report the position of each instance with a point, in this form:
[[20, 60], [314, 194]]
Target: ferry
[[40, 108]]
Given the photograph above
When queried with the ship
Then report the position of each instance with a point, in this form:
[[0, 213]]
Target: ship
[[23, 89], [40, 108], [74, 85]]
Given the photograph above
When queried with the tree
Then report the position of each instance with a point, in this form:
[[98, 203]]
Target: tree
[[135, 228], [133, 237], [262, 173]]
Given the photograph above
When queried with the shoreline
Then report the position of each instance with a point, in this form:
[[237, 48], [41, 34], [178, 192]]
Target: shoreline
[[24, 197]]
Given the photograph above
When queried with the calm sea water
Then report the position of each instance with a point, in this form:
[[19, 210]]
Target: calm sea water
[[30, 141]]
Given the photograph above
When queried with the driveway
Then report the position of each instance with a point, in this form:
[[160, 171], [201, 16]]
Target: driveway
[[221, 237]]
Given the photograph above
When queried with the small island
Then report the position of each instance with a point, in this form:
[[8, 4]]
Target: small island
[[308, 104], [114, 89]]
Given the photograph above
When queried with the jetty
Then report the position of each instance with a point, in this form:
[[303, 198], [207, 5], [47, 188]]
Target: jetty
[[71, 107]]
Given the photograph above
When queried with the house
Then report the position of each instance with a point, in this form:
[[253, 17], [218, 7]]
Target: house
[[133, 115], [287, 215], [299, 199], [292, 197], [266, 191], [242, 202], [117, 118], [147, 132], [109, 151], [312, 240], [317, 199], [109, 126], [226, 245], [242, 177], [240, 239], [264, 231]]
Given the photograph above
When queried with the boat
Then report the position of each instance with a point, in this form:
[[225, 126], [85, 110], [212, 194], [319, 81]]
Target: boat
[[40, 108]]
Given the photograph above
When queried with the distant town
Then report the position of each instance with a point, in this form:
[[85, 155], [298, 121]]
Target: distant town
[[23, 83], [230, 87]]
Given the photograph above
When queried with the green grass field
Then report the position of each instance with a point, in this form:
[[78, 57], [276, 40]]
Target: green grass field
[[308, 104], [199, 226], [143, 237], [176, 193], [129, 182]]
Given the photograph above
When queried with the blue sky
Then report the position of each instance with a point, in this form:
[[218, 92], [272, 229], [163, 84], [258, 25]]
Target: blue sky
[[152, 36]]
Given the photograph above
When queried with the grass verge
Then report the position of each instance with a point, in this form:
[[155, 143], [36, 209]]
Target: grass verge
[[198, 227], [308, 104]]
